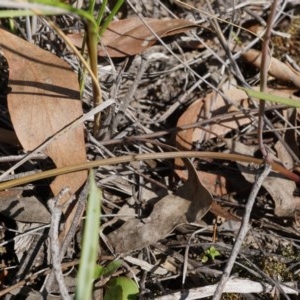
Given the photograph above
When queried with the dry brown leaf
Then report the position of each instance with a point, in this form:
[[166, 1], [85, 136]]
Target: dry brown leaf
[[280, 188], [277, 68], [131, 36], [195, 112], [23, 209], [284, 156], [44, 98], [211, 105], [189, 205]]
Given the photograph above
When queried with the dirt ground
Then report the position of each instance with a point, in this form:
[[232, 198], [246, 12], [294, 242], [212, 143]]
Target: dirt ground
[[175, 231]]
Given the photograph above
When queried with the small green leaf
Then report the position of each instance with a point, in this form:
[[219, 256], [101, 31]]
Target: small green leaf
[[272, 98], [212, 252], [204, 259], [112, 267], [99, 271], [121, 288]]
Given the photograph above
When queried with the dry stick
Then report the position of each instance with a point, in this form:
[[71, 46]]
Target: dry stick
[[70, 235], [265, 64], [130, 93], [213, 120], [31, 255], [12, 158], [242, 232], [144, 21], [92, 42], [32, 277], [56, 212], [186, 253], [225, 45], [148, 156], [234, 285]]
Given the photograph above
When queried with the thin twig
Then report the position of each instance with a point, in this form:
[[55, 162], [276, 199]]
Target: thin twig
[[70, 235], [29, 258], [56, 212], [186, 253], [130, 93], [265, 64], [242, 232]]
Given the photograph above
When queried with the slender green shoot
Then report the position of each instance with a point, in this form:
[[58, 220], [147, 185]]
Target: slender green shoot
[[272, 98], [101, 12], [90, 243], [107, 21]]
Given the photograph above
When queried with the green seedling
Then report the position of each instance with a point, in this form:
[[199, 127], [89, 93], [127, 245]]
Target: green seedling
[[210, 254]]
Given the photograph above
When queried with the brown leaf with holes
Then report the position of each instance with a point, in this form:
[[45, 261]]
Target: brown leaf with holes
[[131, 36], [190, 204], [44, 98]]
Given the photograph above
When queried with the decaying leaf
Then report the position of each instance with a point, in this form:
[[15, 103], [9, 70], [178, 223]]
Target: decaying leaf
[[280, 188], [190, 204], [131, 36], [212, 105], [44, 98]]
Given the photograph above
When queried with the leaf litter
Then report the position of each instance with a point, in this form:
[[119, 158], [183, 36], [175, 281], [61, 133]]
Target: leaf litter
[[186, 97]]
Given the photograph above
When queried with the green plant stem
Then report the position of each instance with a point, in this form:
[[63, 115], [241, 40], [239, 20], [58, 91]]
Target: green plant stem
[[141, 157], [101, 12], [272, 98], [110, 17], [90, 243], [92, 44]]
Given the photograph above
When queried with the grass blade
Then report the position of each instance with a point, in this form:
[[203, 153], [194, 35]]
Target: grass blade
[[272, 98]]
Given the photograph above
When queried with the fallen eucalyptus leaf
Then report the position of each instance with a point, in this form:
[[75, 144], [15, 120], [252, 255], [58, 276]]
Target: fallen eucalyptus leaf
[[131, 36], [190, 204], [44, 98], [277, 68], [280, 188]]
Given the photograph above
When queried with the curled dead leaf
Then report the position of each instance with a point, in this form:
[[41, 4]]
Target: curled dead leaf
[[277, 68]]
